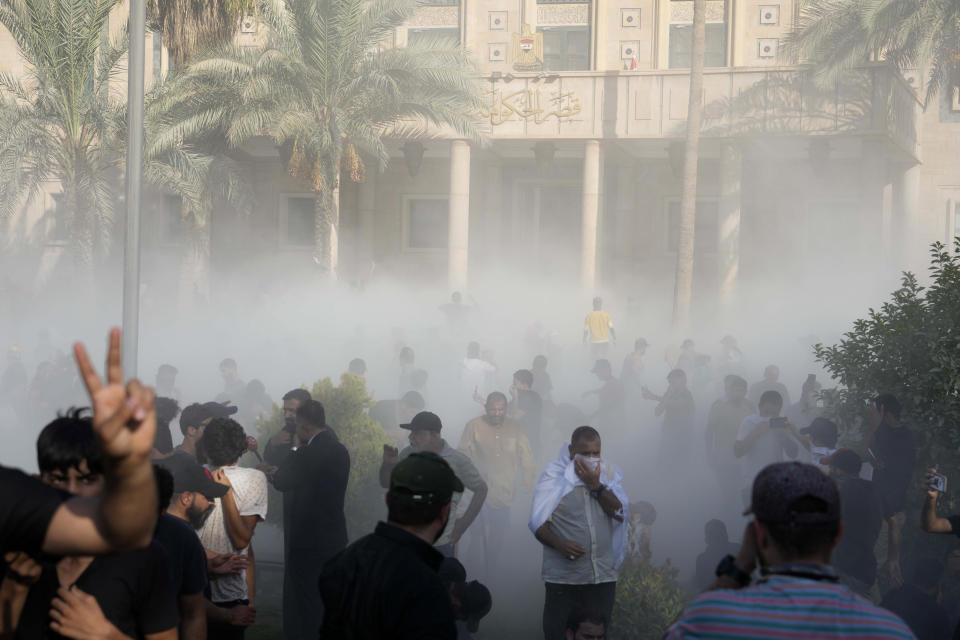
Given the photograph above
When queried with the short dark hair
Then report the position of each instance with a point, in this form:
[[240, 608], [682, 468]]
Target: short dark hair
[[67, 441], [413, 400], [228, 362], [579, 615], [164, 481], [406, 353], [167, 410], [495, 396], [733, 380], [524, 376], [889, 404], [772, 397], [403, 510], [715, 531], [300, 395], [585, 433], [540, 362], [803, 541], [677, 373], [223, 441], [312, 413]]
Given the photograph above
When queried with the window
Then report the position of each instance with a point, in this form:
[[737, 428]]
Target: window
[[56, 224], [448, 36], [427, 223], [171, 215], [681, 41], [953, 221], [300, 217], [704, 227], [566, 48]]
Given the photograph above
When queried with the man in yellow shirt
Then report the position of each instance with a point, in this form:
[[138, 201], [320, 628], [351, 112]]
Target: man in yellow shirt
[[598, 328]]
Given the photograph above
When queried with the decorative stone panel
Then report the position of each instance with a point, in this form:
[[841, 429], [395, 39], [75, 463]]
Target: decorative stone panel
[[682, 12], [770, 14], [436, 17], [767, 47], [498, 20], [630, 18], [497, 52], [563, 14]]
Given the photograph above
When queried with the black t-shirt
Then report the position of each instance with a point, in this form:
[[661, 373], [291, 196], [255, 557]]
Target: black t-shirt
[[922, 613], [133, 591], [188, 562], [26, 508], [163, 441], [862, 520], [897, 451]]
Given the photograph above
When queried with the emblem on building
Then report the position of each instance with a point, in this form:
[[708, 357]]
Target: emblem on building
[[527, 50]]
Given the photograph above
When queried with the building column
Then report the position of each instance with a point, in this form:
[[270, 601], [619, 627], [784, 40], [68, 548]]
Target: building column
[[873, 180], [906, 196], [366, 210], [728, 223], [590, 207], [458, 242], [625, 227], [493, 210]]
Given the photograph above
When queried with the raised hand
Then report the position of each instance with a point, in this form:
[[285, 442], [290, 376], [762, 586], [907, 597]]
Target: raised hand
[[124, 417]]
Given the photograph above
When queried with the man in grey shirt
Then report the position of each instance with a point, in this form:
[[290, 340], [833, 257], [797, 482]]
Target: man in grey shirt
[[579, 515], [425, 436]]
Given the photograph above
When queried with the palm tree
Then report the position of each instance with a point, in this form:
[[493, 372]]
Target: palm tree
[[837, 35], [683, 291], [192, 26], [328, 93], [62, 123]]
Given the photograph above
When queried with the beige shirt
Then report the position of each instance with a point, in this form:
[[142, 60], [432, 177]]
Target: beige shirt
[[501, 453]]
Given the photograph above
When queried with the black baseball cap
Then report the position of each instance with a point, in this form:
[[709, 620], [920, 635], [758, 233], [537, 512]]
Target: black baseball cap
[[845, 460], [424, 421], [425, 478], [821, 429], [190, 476], [196, 413], [779, 489], [475, 602]]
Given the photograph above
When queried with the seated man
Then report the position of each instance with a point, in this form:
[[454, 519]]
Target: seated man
[[796, 524], [126, 595]]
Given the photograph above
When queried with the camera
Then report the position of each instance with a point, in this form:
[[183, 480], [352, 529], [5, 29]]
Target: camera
[[938, 482]]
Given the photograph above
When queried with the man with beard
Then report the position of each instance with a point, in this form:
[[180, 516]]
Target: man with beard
[[425, 436], [501, 451], [386, 584], [579, 516], [280, 445]]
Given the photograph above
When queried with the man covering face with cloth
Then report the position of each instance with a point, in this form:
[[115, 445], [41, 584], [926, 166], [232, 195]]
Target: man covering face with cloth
[[579, 516]]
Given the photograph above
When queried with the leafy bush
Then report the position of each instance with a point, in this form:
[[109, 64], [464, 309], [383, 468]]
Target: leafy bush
[[649, 599], [362, 436], [910, 347]]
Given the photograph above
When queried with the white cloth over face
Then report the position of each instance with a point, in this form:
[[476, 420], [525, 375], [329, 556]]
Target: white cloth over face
[[560, 478]]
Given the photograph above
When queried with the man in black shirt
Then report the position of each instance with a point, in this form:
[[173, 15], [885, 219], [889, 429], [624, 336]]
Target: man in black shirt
[[862, 520], [526, 407], [918, 601], [34, 517], [127, 593], [279, 446], [195, 492], [315, 477], [894, 450], [385, 585]]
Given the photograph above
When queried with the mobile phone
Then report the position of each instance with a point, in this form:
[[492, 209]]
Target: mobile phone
[[938, 483], [778, 423]]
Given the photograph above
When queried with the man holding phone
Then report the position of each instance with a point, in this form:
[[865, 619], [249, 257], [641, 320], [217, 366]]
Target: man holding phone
[[764, 438]]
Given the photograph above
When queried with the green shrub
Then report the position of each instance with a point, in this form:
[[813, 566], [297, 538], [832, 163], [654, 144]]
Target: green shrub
[[910, 347], [649, 599], [362, 436]]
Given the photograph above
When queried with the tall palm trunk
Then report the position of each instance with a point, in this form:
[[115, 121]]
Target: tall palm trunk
[[683, 291], [326, 224], [194, 262], [80, 219]]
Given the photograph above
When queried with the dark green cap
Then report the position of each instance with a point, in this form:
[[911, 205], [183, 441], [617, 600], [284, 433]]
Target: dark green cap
[[424, 477]]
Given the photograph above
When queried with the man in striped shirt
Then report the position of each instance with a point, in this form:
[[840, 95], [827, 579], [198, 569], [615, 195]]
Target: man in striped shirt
[[796, 511]]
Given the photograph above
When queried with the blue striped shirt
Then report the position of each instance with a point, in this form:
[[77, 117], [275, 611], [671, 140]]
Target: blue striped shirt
[[786, 607]]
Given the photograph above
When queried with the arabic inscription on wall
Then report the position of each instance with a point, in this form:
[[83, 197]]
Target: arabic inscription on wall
[[531, 104]]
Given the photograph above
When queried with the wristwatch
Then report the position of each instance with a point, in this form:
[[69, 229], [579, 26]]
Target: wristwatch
[[596, 492], [728, 567]]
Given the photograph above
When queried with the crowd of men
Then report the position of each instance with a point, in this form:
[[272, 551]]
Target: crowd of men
[[124, 535]]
